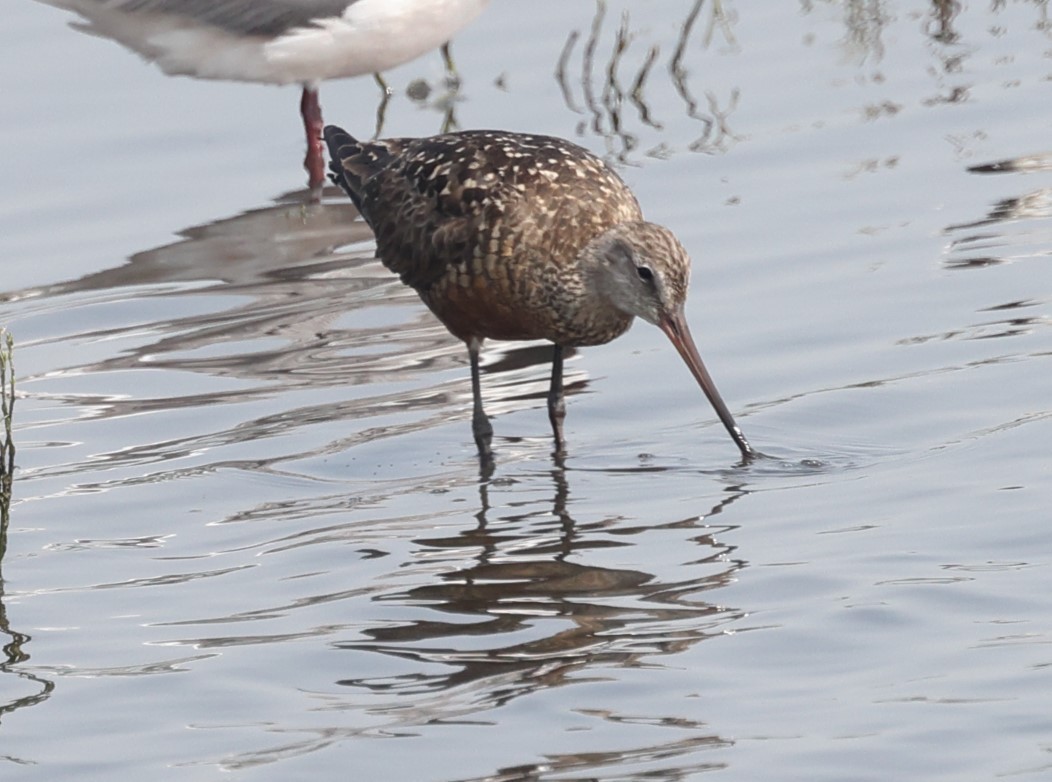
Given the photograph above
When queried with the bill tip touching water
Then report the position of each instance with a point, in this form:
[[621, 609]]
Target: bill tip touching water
[[513, 236]]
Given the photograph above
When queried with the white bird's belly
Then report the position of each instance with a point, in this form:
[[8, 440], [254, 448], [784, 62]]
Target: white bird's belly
[[370, 36]]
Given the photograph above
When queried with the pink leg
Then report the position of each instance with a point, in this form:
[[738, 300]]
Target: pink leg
[[312, 123]]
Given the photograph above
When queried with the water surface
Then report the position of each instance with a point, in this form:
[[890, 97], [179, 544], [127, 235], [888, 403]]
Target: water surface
[[248, 530]]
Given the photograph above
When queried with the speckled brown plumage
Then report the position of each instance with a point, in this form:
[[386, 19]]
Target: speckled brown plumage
[[518, 236], [488, 227]]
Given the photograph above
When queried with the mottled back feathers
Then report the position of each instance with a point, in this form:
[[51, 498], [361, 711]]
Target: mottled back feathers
[[489, 227]]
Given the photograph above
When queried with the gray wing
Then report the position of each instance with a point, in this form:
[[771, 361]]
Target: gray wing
[[243, 17]]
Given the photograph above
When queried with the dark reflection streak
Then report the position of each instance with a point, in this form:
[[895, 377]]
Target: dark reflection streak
[[560, 72], [679, 73], [559, 504], [1011, 305], [718, 19], [866, 21], [1012, 327], [1027, 163], [945, 40], [734, 493], [1044, 24], [613, 95], [719, 121], [675, 67], [679, 78], [636, 95], [589, 67], [940, 25], [14, 653], [1036, 204]]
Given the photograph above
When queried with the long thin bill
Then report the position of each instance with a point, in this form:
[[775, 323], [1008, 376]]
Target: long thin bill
[[675, 327]]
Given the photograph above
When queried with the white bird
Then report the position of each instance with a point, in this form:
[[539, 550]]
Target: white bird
[[278, 41]]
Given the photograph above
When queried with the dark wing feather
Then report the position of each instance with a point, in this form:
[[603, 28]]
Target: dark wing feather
[[349, 164], [244, 17]]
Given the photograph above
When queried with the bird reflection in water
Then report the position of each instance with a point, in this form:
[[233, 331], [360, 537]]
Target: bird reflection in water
[[529, 579]]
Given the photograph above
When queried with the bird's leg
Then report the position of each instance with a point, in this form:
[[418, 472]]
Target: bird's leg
[[312, 124], [452, 77], [480, 425], [556, 401]]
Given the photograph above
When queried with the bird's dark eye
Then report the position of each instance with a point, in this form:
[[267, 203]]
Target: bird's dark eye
[[646, 274]]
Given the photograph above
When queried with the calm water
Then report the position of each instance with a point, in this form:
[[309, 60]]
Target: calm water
[[248, 532]]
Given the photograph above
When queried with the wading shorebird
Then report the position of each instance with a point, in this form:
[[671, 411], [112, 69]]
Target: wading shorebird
[[279, 41], [516, 236]]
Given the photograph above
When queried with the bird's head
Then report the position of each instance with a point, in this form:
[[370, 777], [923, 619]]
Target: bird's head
[[641, 269]]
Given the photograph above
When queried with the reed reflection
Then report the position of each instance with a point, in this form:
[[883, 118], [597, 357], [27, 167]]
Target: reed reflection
[[14, 653], [604, 91]]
